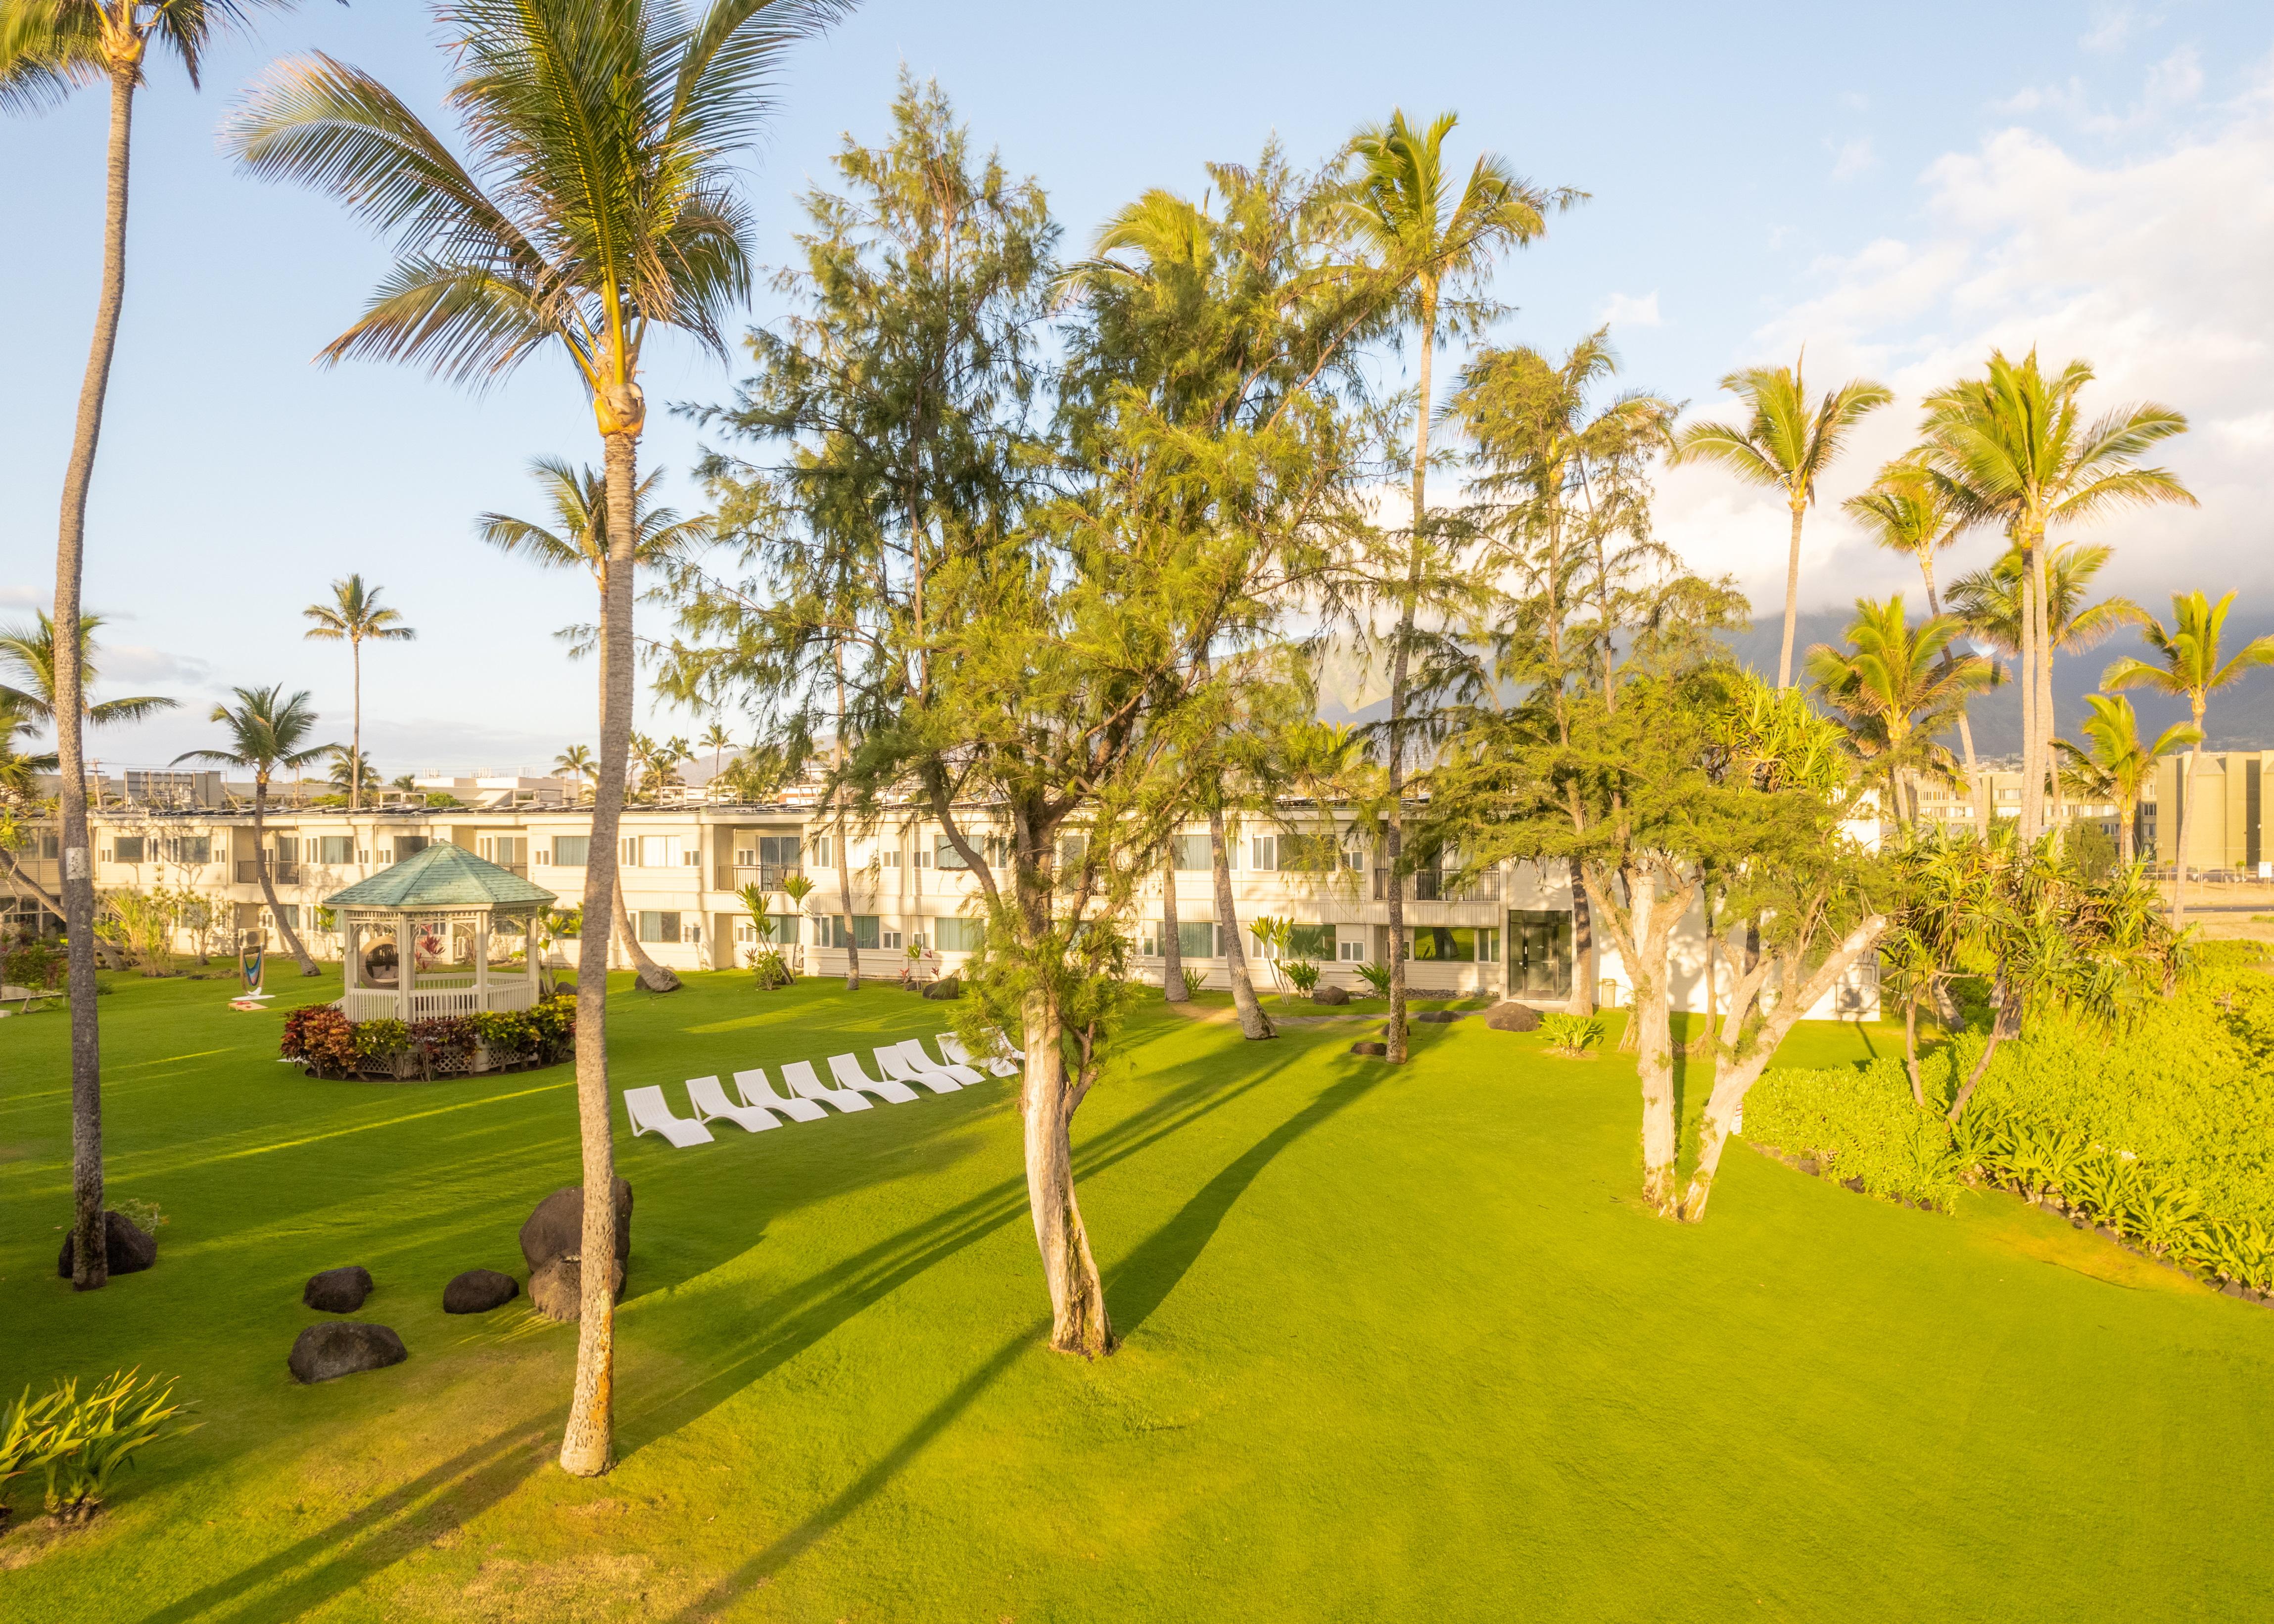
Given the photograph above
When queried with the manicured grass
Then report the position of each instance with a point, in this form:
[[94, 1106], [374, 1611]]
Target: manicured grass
[[1400, 1345]]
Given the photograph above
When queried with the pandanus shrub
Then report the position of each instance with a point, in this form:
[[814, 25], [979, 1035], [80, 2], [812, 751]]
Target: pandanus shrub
[[79, 1444], [1571, 1036], [1301, 973]]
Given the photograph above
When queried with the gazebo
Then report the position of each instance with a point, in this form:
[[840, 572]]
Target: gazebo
[[419, 935]]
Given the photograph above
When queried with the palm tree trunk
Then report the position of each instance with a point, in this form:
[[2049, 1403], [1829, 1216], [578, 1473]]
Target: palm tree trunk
[[1253, 1023], [1394, 841], [1791, 600], [267, 881], [2048, 717], [90, 1267], [653, 976], [843, 858], [2186, 817], [1976, 789], [2127, 810], [2032, 777], [1173, 953], [53, 904], [355, 761], [588, 1443]]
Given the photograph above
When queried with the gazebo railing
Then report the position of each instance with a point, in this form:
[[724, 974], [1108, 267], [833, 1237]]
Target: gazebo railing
[[429, 1004]]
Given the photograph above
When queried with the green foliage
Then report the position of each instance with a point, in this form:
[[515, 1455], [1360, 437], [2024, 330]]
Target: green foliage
[[1194, 979], [772, 969], [80, 1443], [1377, 976], [1571, 1036], [381, 1040], [1303, 974], [320, 1037], [32, 963], [1859, 1125]]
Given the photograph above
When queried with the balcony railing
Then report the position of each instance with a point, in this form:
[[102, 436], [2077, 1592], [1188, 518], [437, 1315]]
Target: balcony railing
[[248, 872], [1430, 885], [765, 876]]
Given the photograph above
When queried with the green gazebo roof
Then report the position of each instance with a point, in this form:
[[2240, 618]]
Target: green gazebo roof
[[441, 877]]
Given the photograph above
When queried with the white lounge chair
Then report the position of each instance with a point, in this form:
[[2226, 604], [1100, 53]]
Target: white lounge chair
[[893, 1062], [952, 1048], [754, 1090], [912, 1052], [799, 1075], [847, 1069], [710, 1101], [1012, 1049], [651, 1114]]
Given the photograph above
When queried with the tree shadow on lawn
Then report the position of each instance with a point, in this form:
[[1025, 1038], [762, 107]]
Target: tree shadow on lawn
[[1146, 1276], [376, 1535], [808, 1311], [789, 1546]]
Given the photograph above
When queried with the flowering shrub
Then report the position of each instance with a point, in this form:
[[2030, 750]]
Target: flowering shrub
[[381, 1040], [319, 1036]]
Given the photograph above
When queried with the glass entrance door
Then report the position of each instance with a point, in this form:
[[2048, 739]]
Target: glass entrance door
[[1539, 953]]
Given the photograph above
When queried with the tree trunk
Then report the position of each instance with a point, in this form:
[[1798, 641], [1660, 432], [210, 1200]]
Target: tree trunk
[[1791, 599], [2004, 1017], [653, 976], [1394, 841], [2032, 778], [90, 1267], [1077, 1318], [2048, 717], [1910, 1049], [588, 1443], [2186, 817], [1643, 941], [2127, 809], [1583, 947], [1253, 1023], [1733, 1075], [355, 761], [260, 873], [53, 904], [843, 858], [1172, 955]]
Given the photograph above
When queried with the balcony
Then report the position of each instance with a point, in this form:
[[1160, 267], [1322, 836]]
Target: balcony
[[279, 872], [765, 876], [1429, 886]]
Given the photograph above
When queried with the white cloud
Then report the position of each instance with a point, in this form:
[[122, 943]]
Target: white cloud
[[24, 598], [2113, 27], [1850, 159], [1629, 309], [133, 662], [2151, 267], [2168, 87]]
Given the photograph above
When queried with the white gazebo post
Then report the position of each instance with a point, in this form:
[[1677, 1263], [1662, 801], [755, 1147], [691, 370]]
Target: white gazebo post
[[482, 960], [531, 956], [406, 962]]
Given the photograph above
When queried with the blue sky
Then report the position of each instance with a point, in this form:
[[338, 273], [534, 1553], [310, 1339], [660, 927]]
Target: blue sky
[[1897, 186]]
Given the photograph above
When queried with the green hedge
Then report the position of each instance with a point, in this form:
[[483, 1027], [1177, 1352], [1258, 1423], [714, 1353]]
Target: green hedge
[[2162, 1131]]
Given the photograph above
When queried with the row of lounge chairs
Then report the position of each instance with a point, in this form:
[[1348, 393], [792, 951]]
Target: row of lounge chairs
[[906, 1067]]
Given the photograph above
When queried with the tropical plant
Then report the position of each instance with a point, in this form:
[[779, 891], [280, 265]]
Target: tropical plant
[[1571, 1036], [578, 537], [33, 1433], [1377, 976], [599, 204], [1898, 687], [1905, 511], [29, 653], [1430, 247], [1303, 974], [1786, 443], [354, 617], [92, 1438], [1194, 979], [2189, 663], [48, 48], [142, 924], [2011, 449], [2115, 765], [267, 731], [772, 968]]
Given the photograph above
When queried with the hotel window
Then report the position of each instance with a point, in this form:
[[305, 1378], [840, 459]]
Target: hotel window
[[127, 849], [945, 855], [1196, 940], [1190, 854], [658, 927], [892, 938], [336, 848], [191, 849], [958, 935], [572, 850]]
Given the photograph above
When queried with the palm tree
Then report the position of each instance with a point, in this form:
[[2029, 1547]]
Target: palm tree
[[1995, 602], [575, 763], [349, 768], [1906, 511], [578, 538], [1786, 443], [48, 48], [1427, 244], [266, 732], [718, 740], [2010, 448], [600, 203], [19, 792], [2188, 665], [2117, 766], [355, 617], [1898, 688], [29, 653]]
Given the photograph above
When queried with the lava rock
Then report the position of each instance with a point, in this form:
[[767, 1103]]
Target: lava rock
[[557, 1291], [477, 1291], [1380, 1051], [337, 1290], [1438, 1017], [946, 987], [1512, 1017], [1324, 994], [343, 1348], [126, 1245], [556, 1228]]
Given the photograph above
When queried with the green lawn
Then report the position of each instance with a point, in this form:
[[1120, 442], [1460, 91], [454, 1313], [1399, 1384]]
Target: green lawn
[[1400, 1345]]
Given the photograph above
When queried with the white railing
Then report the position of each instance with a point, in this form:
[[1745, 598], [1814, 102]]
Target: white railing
[[378, 1003]]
